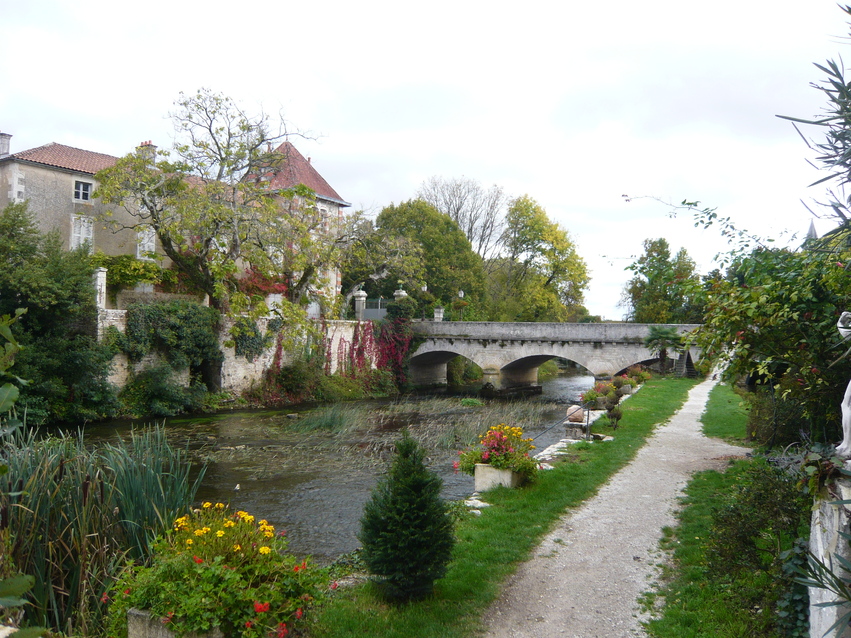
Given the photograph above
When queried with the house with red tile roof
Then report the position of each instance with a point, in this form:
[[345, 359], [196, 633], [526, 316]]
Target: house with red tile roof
[[59, 181]]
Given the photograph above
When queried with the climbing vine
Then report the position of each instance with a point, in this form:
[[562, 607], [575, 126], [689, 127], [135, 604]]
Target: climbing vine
[[125, 271], [184, 332]]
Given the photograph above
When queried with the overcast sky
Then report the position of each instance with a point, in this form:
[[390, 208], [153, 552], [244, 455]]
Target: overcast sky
[[574, 106]]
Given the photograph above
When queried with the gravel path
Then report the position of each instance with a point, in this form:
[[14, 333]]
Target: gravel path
[[585, 577]]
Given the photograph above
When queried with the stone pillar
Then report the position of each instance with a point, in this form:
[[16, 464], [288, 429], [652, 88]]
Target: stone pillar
[[828, 520], [360, 304], [438, 313], [399, 294], [100, 288]]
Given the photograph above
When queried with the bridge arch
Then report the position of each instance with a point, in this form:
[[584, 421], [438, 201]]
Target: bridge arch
[[510, 353]]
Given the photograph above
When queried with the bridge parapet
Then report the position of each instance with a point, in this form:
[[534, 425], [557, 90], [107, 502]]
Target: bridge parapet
[[510, 353]]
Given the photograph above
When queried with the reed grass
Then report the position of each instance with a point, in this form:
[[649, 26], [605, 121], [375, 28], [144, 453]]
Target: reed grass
[[73, 515]]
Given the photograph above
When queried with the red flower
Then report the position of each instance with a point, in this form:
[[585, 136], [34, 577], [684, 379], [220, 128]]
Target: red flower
[[296, 568], [282, 630], [260, 607], [104, 598], [248, 624], [299, 613], [334, 585], [168, 617], [198, 560]]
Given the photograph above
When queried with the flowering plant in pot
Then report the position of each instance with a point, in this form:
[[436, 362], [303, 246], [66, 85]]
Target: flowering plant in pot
[[219, 569], [504, 448]]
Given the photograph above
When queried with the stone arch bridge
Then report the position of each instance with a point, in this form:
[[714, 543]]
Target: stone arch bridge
[[510, 353]]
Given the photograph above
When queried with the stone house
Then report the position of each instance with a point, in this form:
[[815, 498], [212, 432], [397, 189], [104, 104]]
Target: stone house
[[58, 182]]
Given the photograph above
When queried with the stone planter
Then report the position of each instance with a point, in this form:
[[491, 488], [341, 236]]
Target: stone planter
[[488, 477], [141, 625], [624, 390], [601, 403]]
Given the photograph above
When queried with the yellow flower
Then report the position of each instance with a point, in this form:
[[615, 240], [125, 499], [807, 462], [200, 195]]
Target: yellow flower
[[220, 533], [264, 550], [220, 506], [269, 534], [189, 541], [199, 532], [207, 505], [229, 523], [237, 548]]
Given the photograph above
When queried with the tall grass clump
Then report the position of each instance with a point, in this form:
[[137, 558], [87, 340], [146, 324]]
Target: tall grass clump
[[71, 517]]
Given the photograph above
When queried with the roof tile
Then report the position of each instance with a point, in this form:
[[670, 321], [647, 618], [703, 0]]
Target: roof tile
[[297, 170], [67, 157]]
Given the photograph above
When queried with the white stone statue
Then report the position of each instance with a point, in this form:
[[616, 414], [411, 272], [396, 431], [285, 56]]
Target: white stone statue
[[844, 448]]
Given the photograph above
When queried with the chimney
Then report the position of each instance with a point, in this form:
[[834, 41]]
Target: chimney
[[147, 150], [4, 144]]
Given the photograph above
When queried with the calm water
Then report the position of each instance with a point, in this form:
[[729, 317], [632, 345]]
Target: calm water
[[312, 485]]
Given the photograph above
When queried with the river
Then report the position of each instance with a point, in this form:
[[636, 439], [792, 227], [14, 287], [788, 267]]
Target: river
[[314, 484]]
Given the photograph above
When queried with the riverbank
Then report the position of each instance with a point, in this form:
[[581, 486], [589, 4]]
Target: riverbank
[[492, 546]]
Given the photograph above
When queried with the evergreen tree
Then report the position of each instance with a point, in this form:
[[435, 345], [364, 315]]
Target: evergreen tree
[[406, 530]]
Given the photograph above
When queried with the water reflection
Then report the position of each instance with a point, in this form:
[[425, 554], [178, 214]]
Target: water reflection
[[314, 485]]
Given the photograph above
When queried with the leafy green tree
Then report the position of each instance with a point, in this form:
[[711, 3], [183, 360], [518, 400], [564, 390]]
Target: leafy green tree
[[664, 289], [373, 256], [211, 207], [541, 277], [60, 355], [406, 531], [448, 258]]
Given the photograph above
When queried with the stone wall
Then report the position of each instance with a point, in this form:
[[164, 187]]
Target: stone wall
[[238, 373]]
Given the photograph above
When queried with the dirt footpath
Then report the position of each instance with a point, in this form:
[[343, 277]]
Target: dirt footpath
[[584, 579]]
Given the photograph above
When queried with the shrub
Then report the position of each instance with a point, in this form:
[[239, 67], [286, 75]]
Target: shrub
[[217, 568], [406, 530], [156, 392], [95, 507]]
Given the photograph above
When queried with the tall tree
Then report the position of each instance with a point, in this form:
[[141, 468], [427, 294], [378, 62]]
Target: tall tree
[[478, 212], [211, 208], [66, 367], [541, 277], [373, 256], [664, 289], [449, 261]]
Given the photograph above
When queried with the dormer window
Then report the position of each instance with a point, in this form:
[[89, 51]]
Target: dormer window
[[82, 191]]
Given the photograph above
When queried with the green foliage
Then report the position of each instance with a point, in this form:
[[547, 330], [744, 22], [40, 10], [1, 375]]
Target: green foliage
[[735, 551], [404, 308], [95, 506], [156, 392], [125, 272], [449, 261], [183, 332], [460, 371], [541, 277], [60, 356], [469, 402], [406, 531], [774, 318], [664, 289], [660, 339], [249, 342], [217, 568]]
